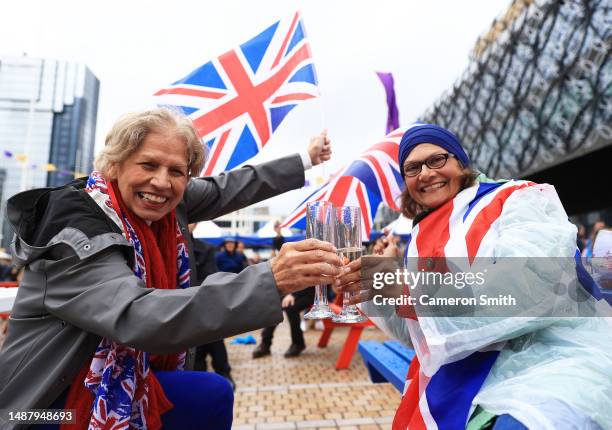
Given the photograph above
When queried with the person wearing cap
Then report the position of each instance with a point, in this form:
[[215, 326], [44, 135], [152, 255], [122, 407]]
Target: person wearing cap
[[228, 260], [543, 371]]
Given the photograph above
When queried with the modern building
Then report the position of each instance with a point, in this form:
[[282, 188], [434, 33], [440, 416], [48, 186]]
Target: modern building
[[48, 111], [245, 222], [536, 100]]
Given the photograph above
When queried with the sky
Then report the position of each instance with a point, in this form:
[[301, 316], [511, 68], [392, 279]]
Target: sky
[[136, 47]]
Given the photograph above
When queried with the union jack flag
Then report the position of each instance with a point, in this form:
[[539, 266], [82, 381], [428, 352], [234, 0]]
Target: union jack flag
[[371, 179], [236, 101]]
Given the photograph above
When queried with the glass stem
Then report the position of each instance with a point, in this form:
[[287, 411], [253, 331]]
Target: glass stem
[[346, 298], [320, 295]]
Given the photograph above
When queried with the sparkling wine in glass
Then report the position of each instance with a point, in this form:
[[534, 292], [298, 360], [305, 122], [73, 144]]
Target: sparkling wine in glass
[[320, 225], [348, 243]]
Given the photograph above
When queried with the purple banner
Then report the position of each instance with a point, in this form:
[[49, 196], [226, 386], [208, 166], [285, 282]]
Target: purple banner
[[393, 116]]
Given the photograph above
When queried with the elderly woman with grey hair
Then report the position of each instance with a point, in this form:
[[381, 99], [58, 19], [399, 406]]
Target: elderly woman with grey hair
[[102, 322]]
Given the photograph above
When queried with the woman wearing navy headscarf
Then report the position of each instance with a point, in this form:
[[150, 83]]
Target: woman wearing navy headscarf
[[541, 372]]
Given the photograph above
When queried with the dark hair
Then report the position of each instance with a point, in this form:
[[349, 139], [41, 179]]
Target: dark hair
[[410, 208]]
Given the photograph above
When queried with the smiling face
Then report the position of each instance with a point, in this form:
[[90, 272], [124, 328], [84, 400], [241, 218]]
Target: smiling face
[[152, 179], [433, 187]]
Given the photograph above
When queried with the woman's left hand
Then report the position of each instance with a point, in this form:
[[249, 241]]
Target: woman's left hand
[[360, 282], [351, 282]]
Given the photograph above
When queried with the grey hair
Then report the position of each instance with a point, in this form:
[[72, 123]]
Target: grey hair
[[131, 129]]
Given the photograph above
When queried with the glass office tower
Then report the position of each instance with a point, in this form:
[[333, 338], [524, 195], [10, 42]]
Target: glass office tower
[[48, 112]]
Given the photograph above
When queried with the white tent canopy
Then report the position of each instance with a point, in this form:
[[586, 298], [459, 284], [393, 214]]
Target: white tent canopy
[[401, 225], [207, 230], [268, 231]]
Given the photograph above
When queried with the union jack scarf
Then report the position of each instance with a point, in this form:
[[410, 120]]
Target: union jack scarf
[[118, 373], [462, 227]]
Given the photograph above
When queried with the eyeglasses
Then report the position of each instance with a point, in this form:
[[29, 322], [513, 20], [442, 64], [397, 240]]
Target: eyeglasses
[[436, 161]]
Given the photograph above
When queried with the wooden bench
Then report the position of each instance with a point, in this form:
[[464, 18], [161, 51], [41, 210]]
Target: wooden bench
[[352, 339], [387, 362]]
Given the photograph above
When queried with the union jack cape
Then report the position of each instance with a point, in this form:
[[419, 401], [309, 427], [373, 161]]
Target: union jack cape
[[369, 180], [236, 101], [439, 394], [456, 229]]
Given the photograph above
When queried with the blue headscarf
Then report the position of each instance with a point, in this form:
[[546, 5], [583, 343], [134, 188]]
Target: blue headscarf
[[430, 133]]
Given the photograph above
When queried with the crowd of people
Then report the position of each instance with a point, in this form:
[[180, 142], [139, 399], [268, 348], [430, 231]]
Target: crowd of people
[[119, 305]]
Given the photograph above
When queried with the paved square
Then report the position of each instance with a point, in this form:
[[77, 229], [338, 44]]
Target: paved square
[[307, 392]]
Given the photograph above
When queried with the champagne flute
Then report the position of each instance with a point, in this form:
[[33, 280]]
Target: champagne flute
[[320, 225], [348, 243]]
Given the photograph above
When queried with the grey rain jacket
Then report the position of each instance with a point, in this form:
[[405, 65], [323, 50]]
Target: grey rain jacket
[[79, 286]]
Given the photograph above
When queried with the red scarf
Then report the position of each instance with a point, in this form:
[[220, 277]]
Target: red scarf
[[159, 244]]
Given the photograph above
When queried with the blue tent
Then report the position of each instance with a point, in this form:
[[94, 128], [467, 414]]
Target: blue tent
[[250, 241]]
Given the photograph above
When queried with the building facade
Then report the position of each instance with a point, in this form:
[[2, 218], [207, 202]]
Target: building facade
[[536, 99], [245, 222], [48, 111]]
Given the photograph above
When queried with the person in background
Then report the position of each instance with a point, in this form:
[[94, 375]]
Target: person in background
[[240, 251], [293, 304], [602, 258], [588, 247], [278, 240], [8, 273], [228, 260], [204, 256], [602, 247], [581, 238]]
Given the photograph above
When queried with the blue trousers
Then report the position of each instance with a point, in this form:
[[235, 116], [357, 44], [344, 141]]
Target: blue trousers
[[201, 400], [507, 422]]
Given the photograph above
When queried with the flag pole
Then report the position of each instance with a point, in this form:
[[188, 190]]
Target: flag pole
[[322, 110], [323, 122]]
